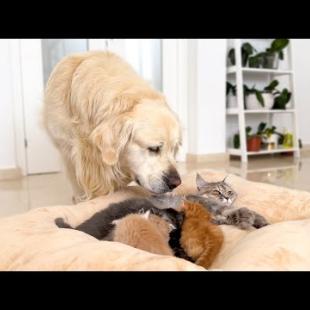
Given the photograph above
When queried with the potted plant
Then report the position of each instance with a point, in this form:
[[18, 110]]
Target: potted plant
[[246, 51], [269, 58], [260, 99], [274, 53], [269, 136], [236, 139], [256, 61], [254, 141], [231, 95]]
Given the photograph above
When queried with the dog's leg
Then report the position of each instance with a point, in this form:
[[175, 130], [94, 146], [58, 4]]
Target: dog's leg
[[78, 194]]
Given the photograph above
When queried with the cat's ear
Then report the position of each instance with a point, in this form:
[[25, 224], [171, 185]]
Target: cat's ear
[[224, 180], [200, 182]]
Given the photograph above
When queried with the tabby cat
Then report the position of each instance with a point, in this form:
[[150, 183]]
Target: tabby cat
[[218, 199]]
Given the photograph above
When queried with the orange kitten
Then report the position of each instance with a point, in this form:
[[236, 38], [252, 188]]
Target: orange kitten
[[201, 239], [146, 231]]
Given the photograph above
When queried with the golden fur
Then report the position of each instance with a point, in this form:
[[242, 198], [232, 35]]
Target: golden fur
[[200, 239], [103, 117], [149, 233]]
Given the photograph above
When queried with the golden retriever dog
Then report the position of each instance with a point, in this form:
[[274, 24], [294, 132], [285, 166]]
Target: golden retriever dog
[[110, 126]]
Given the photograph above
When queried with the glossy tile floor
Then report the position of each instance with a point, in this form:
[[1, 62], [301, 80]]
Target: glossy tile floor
[[17, 196]]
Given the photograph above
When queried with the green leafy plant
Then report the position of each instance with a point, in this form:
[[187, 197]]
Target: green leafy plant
[[263, 59], [258, 93], [246, 50], [266, 132], [236, 139], [262, 131], [277, 47], [269, 89], [256, 61], [231, 89], [282, 98]]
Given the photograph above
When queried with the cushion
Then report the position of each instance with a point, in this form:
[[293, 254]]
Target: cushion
[[32, 241]]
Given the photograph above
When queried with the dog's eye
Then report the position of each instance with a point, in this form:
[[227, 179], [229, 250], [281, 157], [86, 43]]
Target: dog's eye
[[154, 149]]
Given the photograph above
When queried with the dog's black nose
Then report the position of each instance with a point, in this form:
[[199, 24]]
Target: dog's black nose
[[172, 179]]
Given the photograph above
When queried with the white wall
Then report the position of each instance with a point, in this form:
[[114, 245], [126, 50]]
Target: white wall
[[7, 141], [301, 63], [207, 77]]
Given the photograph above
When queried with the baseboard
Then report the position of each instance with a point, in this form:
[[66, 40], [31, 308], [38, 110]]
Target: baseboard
[[10, 174], [207, 158], [305, 150]]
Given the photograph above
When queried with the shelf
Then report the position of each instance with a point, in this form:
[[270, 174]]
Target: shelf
[[234, 111], [233, 69], [237, 152]]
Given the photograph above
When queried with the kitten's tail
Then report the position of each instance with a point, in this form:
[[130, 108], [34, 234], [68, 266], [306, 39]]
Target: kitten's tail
[[61, 223]]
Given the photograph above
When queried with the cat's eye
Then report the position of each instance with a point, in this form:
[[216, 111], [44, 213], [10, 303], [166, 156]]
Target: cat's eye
[[154, 149], [216, 192], [230, 193]]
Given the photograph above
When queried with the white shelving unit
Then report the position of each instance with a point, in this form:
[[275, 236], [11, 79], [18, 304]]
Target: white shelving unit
[[244, 73]]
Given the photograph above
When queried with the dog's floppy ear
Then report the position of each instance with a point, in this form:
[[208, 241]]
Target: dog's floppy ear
[[111, 137]]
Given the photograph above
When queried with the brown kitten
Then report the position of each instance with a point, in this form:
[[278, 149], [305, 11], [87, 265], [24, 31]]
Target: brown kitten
[[201, 239], [146, 231]]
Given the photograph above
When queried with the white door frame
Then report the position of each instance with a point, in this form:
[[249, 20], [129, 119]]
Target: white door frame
[[175, 83], [18, 106], [20, 75]]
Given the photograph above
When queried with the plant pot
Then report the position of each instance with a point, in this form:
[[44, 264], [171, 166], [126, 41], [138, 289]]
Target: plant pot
[[253, 104], [271, 142], [271, 61], [232, 101], [254, 143]]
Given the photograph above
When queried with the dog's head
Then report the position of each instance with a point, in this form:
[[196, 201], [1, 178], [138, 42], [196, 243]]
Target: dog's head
[[144, 143]]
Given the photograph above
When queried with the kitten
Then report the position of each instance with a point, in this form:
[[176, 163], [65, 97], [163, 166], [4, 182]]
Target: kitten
[[147, 232], [201, 239], [100, 225]]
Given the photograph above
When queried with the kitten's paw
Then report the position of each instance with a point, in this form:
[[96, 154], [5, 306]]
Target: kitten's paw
[[260, 222], [218, 220]]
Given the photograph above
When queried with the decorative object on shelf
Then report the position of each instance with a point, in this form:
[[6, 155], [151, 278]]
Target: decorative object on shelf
[[288, 140], [269, 59], [260, 99], [269, 136], [246, 51], [231, 95]]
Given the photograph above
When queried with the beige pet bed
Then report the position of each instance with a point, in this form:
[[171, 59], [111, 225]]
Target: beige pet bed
[[32, 241]]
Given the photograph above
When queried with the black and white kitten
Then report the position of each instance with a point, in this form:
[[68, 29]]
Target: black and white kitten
[[101, 224]]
